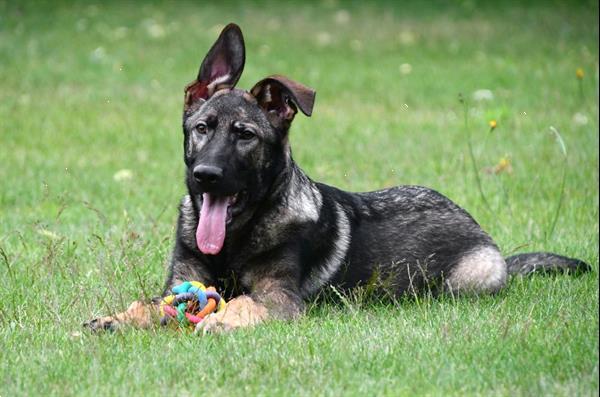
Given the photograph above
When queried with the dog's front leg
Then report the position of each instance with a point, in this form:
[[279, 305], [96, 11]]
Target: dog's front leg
[[139, 314], [145, 314], [270, 299]]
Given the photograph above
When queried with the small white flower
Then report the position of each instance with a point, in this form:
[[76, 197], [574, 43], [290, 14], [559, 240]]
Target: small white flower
[[123, 175], [483, 95], [405, 68], [580, 119], [323, 39], [98, 54], [342, 17], [406, 37], [154, 29]]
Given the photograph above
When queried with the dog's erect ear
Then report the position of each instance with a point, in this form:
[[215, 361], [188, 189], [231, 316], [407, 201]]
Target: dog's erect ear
[[221, 68], [281, 98]]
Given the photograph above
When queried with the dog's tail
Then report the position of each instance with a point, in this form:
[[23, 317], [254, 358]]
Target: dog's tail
[[545, 262]]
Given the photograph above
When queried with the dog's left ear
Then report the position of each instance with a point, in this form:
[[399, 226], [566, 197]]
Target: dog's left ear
[[221, 68], [281, 98]]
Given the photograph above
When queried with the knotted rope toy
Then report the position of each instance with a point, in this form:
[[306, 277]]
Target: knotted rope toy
[[190, 303]]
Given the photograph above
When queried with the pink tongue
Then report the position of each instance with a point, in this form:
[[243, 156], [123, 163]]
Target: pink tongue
[[211, 228]]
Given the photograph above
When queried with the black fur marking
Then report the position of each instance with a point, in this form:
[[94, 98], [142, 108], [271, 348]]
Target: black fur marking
[[544, 262]]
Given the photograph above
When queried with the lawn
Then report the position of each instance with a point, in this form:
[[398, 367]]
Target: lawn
[[91, 173]]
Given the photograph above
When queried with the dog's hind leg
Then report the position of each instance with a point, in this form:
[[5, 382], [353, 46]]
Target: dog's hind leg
[[481, 270], [139, 314]]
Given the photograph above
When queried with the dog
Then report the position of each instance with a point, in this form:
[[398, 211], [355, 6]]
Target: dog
[[255, 226]]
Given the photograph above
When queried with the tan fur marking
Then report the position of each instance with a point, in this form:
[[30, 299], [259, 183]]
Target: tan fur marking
[[482, 270], [138, 314], [240, 312], [221, 91], [249, 97]]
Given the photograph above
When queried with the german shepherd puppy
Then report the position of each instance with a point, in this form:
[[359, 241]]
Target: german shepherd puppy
[[254, 225]]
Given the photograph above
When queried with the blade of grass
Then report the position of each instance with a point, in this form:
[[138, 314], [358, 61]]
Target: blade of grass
[[561, 194]]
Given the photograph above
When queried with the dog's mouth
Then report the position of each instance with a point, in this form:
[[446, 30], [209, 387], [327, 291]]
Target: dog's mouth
[[215, 214]]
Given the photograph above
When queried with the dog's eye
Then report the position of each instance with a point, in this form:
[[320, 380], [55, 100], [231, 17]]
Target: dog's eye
[[201, 128], [246, 134]]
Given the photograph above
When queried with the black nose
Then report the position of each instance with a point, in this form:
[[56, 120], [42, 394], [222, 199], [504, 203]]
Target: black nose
[[207, 174]]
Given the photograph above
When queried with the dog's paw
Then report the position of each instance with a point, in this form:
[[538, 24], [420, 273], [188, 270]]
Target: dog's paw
[[215, 324], [239, 313], [107, 323], [138, 314]]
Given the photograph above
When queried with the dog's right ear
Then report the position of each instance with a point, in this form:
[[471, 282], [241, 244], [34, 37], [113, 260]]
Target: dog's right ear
[[221, 68]]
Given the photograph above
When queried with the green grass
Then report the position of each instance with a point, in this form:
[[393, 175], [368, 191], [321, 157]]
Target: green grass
[[89, 90]]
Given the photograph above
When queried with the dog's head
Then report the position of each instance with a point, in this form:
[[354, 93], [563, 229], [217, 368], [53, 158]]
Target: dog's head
[[236, 141]]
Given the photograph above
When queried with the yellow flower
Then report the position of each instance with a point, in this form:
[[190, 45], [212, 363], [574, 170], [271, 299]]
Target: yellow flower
[[504, 165], [579, 73], [493, 124]]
